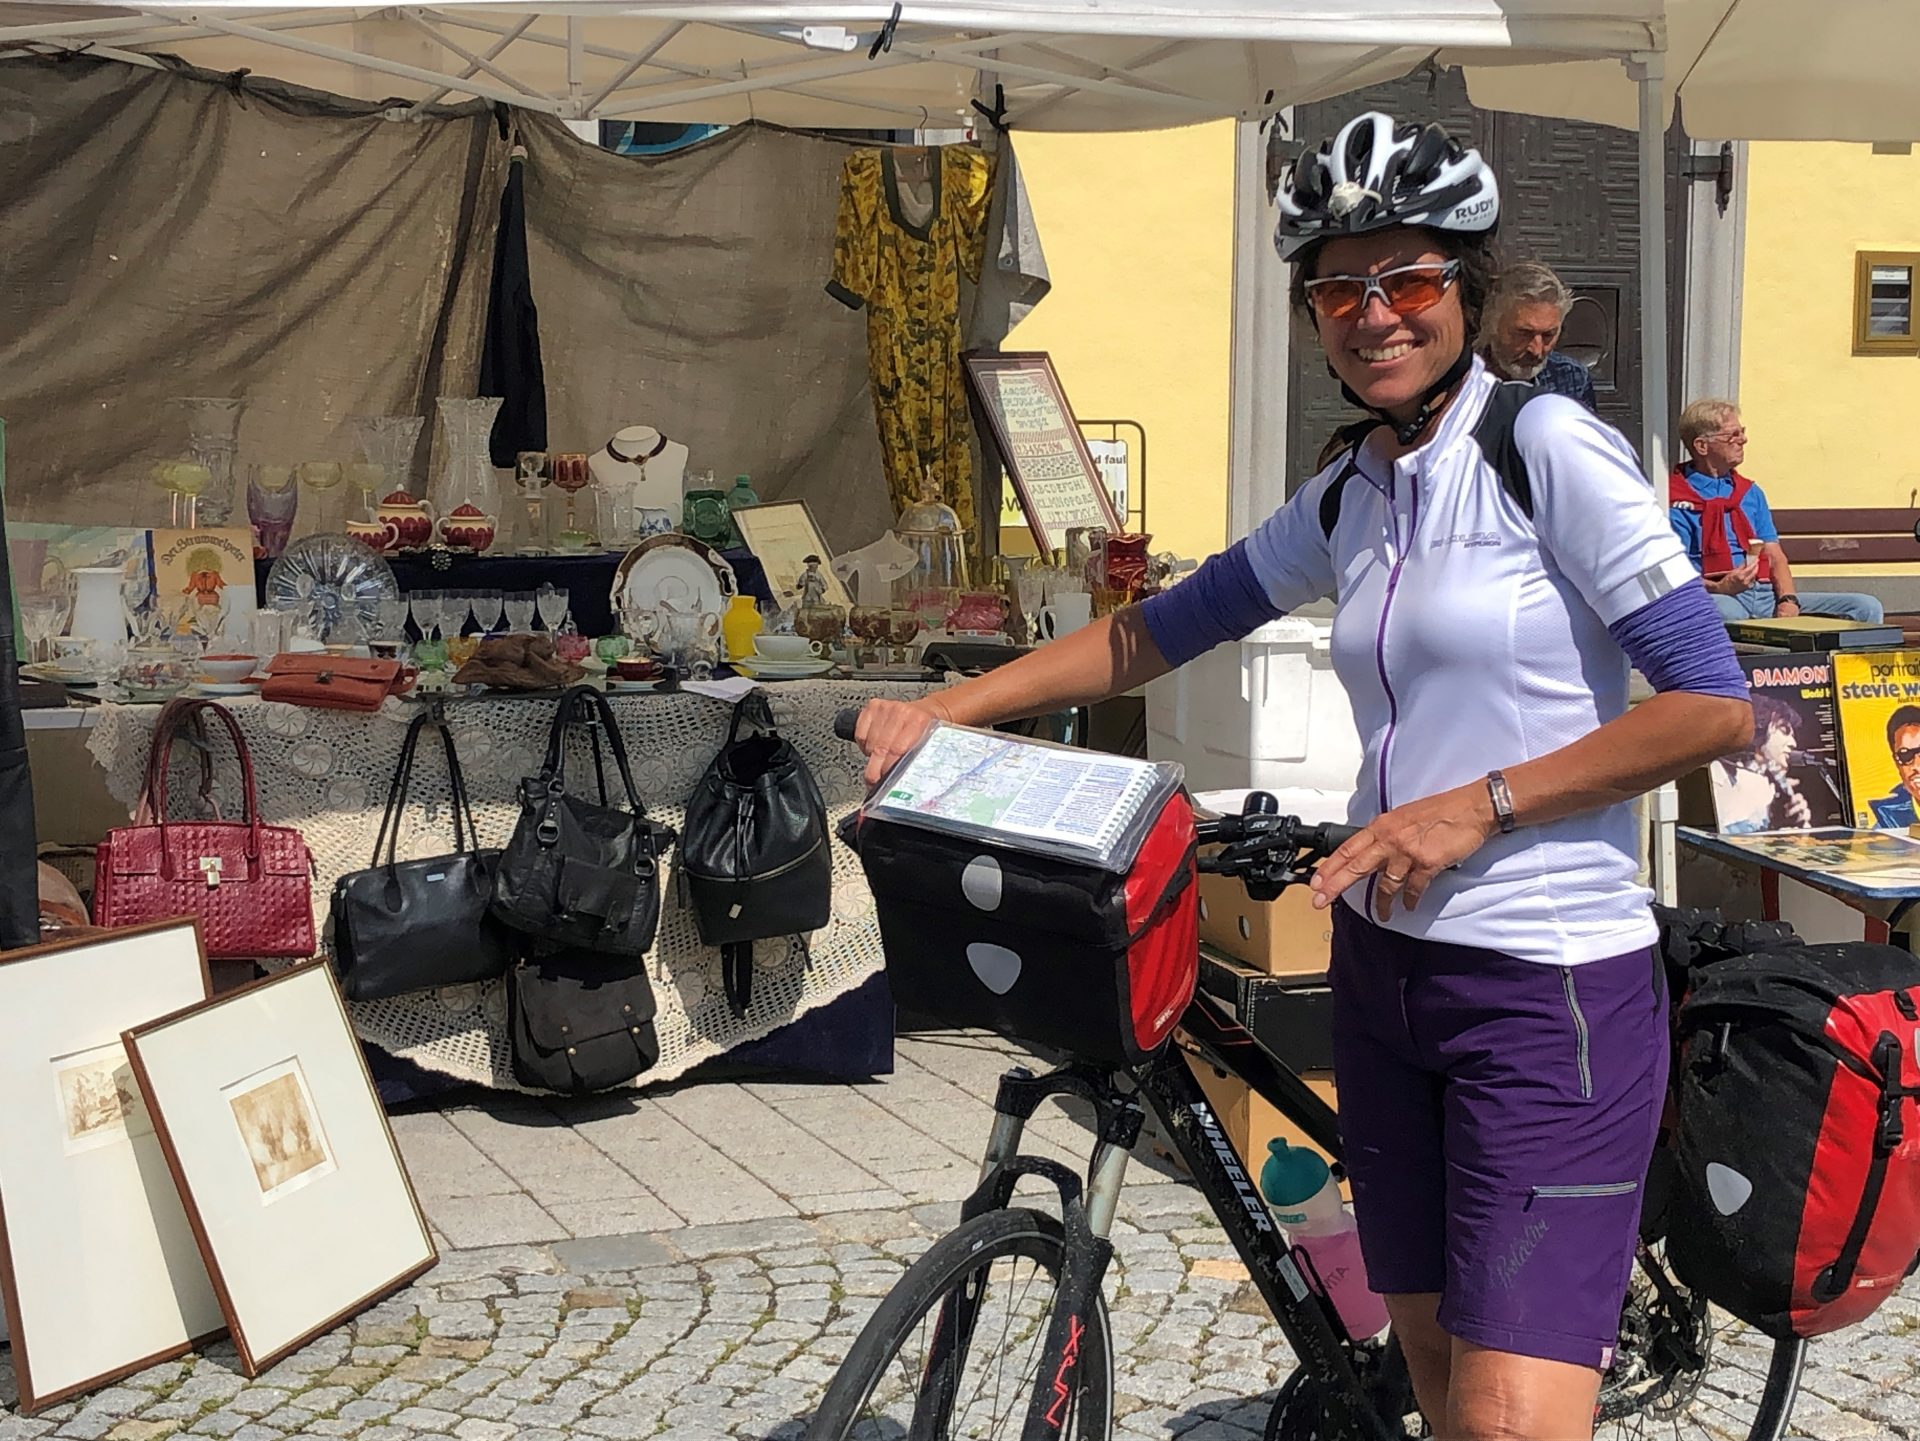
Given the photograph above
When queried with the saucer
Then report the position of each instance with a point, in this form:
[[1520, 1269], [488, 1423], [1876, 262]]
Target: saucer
[[225, 687], [63, 675], [783, 669]]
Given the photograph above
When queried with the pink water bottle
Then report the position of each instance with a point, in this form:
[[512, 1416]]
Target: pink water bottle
[[1305, 1200]]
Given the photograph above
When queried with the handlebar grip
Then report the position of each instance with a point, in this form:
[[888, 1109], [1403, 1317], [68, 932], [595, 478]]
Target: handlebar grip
[[845, 721], [1338, 835]]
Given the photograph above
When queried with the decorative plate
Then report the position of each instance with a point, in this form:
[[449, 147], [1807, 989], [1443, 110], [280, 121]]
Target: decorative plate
[[782, 670], [678, 568], [338, 576]]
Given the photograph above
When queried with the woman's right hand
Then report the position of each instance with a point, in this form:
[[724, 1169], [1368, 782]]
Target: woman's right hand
[[888, 729]]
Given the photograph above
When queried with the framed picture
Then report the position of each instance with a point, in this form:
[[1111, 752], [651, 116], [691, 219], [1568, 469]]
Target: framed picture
[[98, 1266], [293, 1185], [1040, 444], [781, 534]]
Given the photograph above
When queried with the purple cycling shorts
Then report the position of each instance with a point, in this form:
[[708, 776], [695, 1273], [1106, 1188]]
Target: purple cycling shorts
[[1497, 1117]]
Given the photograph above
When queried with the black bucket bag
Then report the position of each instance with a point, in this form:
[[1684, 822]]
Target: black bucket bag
[[403, 926], [577, 874], [754, 861]]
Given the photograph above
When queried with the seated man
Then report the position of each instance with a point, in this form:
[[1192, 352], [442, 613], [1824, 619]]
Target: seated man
[[1723, 520], [1523, 319]]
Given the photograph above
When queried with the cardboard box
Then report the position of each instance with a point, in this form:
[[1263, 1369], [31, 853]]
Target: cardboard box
[[1284, 937], [1249, 1120]]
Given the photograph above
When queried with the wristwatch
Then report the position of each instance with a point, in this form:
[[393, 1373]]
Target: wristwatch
[[1502, 802]]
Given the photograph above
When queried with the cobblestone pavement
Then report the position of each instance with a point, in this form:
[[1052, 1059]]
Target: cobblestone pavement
[[732, 1328]]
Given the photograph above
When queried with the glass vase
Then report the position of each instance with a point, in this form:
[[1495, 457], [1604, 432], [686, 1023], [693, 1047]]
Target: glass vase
[[387, 441], [213, 434], [466, 467]]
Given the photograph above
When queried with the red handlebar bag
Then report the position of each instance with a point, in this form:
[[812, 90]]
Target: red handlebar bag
[[1064, 956]]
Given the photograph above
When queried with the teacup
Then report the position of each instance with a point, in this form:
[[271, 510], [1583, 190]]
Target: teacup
[[72, 652], [788, 647]]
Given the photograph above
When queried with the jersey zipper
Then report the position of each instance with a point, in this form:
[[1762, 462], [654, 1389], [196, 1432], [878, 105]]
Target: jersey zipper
[[1380, 637]]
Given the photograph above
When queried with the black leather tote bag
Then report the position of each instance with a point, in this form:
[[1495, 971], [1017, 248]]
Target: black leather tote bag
[[754, 861], [402, 926], [577, 1023], [575, 873]]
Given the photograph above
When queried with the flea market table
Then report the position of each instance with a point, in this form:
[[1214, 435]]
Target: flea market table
[[327, 773]]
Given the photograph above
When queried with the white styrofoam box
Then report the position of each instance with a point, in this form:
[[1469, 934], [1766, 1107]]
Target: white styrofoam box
[[1311, 806], [1267, 713]]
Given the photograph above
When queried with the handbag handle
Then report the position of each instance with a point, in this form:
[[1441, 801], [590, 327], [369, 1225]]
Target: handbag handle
[[583, 705], [758, 712], [163, 743], [175, 717], [466, 836]]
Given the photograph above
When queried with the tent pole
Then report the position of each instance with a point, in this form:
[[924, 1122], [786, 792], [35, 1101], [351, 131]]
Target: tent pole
[[1647, 71]]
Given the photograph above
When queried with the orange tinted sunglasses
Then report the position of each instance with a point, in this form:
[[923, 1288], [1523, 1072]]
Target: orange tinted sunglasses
[[1407, 290]]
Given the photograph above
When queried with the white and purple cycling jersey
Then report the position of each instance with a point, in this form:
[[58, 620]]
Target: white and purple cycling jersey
[[1471, 637]]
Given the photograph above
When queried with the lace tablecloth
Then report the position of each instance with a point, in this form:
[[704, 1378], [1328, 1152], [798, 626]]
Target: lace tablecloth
[[327, 772]]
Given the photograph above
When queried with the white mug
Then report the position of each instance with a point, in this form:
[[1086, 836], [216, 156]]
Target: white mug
[[1069, 612]]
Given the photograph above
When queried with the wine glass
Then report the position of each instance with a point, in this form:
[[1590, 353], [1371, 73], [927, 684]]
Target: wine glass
[[551, 602], [370, 480], [487, 606], [43, 615], [425, 605], [519, 605], [454, 606], [321, 476]]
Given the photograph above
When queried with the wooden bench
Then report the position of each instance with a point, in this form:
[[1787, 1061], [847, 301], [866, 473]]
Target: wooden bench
[[1816, 538]]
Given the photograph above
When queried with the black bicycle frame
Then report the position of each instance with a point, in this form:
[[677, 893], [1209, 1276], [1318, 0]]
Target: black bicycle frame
[[1167, 1085]]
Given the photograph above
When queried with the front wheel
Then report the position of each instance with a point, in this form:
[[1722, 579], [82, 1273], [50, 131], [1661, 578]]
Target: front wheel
[[954, 1351]]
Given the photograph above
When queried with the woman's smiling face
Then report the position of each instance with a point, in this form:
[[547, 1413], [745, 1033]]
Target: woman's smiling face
[[1389, 359]]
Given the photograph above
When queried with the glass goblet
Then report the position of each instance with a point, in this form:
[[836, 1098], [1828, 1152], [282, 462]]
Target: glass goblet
[[519, 606], [551, 602], [487, 606], [425, 605]]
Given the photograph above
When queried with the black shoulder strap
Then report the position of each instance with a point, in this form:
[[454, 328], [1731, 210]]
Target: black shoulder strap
[[1494, 436], [1346, 439]]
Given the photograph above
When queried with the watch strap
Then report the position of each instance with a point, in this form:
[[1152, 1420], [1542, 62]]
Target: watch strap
[[1502, 799]]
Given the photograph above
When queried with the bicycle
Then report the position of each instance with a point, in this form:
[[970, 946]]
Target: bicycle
[[1342, 1390]]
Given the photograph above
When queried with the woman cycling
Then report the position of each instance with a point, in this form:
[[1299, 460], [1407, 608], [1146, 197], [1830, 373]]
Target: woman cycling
[[1499, 1031]]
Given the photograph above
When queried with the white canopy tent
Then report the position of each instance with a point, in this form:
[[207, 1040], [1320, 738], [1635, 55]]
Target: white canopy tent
[[1052, 64]]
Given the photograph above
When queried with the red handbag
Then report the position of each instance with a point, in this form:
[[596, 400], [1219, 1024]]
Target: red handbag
[[248, 884]]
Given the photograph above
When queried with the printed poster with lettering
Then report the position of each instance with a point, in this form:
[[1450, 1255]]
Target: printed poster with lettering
[[1788, 777], [1047, 458], [206, 574], [1878, 696]]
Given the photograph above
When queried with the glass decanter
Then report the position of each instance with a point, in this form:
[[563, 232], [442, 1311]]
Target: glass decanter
[[213, 434]]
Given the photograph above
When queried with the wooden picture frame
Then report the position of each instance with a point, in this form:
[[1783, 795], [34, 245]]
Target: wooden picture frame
[[782, 534], [1033, 430], [295, 1188], [81, 1165]]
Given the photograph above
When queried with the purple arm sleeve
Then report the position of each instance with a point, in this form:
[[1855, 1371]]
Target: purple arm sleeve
[[1679, 642], [1223, 601]]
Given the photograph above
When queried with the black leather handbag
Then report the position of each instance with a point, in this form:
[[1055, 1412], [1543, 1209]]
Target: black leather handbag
[[754, 861], [575, 873], [404, 926], [573, 1027]]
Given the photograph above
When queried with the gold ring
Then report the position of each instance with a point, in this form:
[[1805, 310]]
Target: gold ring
[[1399, 880]]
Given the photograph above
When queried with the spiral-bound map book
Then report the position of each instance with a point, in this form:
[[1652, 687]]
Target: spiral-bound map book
[[1028, 795]]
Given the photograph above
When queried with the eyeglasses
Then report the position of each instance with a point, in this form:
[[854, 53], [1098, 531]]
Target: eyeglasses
[[1738, 437], [1407, 290], [1906, 755]]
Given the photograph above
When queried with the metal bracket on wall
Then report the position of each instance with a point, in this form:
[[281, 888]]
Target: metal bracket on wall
[[1717, 167]]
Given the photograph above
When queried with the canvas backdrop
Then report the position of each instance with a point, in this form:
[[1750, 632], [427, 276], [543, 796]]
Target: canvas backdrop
[[177, 234]]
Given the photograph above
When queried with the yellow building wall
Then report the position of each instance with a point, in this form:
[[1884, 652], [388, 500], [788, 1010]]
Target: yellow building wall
[[1827, 427], [1138, 231]]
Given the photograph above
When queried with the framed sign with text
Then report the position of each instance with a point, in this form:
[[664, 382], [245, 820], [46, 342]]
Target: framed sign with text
[[1040, 444]]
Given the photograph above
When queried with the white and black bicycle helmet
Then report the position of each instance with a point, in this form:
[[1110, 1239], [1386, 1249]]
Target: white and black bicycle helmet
[[1373, 175]]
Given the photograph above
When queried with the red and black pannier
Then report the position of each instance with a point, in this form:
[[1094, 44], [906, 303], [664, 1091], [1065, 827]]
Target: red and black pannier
[[1796, 1200], [1061, 955]]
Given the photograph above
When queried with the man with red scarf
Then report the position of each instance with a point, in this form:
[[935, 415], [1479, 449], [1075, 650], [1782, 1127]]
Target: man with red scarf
[[1722, 519]]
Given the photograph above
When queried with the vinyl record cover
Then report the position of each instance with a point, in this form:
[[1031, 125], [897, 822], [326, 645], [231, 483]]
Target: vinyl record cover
[[1790, 776], [1878, 695]]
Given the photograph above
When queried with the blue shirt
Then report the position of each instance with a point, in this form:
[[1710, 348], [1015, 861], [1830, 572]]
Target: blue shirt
[[1566, 376], [1686, 523]]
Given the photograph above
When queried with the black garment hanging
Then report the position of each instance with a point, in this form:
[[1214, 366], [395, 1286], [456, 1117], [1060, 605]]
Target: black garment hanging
[[510, 358], [19, 866]]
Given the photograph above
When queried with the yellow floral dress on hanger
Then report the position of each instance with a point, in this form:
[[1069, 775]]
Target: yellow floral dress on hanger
[[907, 277]]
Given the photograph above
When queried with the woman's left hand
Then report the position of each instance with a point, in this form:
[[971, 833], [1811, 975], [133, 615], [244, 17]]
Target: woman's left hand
[[1407, 847]]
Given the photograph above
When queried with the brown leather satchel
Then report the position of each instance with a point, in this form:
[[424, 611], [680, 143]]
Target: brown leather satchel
[[334, 682]]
